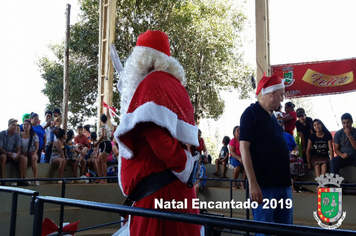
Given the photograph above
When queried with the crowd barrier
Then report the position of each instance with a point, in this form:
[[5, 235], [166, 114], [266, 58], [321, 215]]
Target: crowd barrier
[[210, 222]]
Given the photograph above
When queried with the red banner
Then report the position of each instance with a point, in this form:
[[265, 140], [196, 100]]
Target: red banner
[[317, 78]]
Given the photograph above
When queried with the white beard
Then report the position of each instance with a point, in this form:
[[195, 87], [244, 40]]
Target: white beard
[[130, 78], [137, 68]]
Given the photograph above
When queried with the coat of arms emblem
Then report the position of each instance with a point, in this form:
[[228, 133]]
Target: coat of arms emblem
[[329, 202], [288, 76]]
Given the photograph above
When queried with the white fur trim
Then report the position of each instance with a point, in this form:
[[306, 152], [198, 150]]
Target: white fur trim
[[125, 229], [189, 165], [272, 88], [119, 175], [202, 230], [161, 116]]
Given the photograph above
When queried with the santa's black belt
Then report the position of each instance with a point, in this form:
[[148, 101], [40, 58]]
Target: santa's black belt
[[149, 185], [155, 182]]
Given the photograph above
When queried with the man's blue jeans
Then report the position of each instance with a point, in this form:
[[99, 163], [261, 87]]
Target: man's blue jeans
[[276, 213], [337, 163]]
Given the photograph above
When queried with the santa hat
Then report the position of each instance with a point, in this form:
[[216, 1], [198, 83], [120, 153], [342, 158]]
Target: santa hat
[[157, 40], [269, 84]]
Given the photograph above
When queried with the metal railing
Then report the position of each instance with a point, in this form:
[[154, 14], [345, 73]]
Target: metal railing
[[15, 192], [209, 222], [34, 194]]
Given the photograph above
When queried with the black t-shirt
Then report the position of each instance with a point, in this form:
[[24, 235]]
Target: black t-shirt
[[305, 129], [224, 152], [320, 146], [268, 147]]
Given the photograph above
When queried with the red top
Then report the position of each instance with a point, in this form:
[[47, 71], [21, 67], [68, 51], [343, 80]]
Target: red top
[[235, 143], [201, 145], [82, 140], [290, 125]]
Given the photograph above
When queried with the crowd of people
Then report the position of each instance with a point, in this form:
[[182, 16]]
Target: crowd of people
[[157, 140], [318, 150], [33, 142]]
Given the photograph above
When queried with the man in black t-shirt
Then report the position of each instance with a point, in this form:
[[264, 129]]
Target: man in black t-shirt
[[265, 153], [304, 127]]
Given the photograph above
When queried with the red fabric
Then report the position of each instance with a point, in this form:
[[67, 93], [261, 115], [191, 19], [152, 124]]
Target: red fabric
[[165, 90], [82, 140], [317, 78], [201, 145], [48, 227], [111, 155], [142, 226], [111, 109], [289, 126], [266, 82], [155, 150], [154, 39], [235, 143]]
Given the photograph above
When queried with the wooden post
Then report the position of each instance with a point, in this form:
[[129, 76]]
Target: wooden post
[[65, 74], [262, 39], [107, 23]]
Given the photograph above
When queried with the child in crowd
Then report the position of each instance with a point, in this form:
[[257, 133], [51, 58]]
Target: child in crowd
[[82, 144], [92, 155], [200, 184], [56, 125], [86, 131], [223, 158], [58, 122], [113, 156], [70, 150], [18, 130], [235, 158], [296, 163]]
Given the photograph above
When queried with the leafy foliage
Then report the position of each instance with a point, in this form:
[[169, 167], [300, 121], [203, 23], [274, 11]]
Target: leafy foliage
[[204, 37]]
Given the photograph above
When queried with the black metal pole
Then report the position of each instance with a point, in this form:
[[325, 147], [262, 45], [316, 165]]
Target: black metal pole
[[61, 213], [231, 198], [247, 210], [13, 214], [208, 230], [38, 218]]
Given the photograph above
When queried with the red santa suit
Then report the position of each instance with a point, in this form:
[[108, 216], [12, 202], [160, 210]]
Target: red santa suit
[[152, 137]]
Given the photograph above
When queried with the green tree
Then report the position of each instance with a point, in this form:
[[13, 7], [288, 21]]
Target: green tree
[[204, 37]]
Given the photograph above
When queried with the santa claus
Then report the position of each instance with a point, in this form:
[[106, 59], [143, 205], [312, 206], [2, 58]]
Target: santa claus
[[154, 135]]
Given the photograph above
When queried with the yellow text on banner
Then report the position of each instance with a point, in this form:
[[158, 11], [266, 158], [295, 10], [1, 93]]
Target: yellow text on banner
[[322, 80]]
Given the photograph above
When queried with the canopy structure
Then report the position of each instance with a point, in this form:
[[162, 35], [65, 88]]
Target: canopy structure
[[317, 78]]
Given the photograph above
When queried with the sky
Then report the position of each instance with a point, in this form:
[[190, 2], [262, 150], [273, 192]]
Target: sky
[[27, 28], [300, 31]]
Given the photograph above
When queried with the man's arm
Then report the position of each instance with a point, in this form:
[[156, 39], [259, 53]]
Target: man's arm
[[338, 151], [255, 190], [309, 149], [18, 152], [352, 140], [170, 151], [48, 124], [2, 151], [226, 156], [304, 148], [44, 142], [287, 117]]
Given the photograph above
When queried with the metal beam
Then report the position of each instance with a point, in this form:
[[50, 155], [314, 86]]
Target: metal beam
[[262, 39], [107, 20]]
